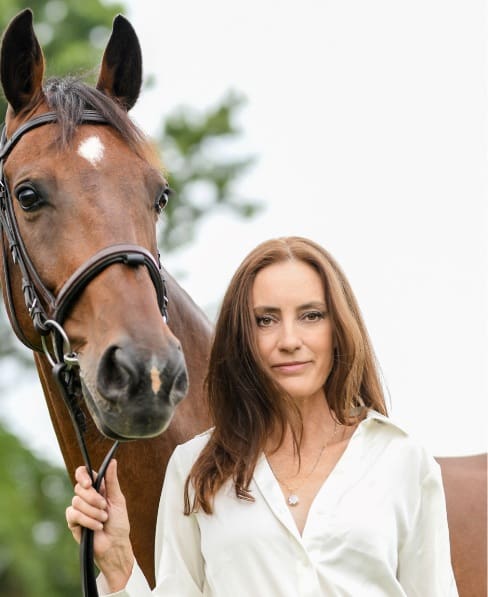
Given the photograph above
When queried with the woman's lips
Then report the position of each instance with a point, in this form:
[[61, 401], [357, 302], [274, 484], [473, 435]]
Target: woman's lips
[[291, 367]]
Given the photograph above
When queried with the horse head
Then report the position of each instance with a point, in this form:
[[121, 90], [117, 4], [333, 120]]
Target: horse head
[[82, 190]]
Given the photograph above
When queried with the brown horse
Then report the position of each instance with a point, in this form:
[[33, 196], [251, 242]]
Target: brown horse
[[79, 188], [76, 191]]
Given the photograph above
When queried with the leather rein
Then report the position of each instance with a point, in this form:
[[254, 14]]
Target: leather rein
[[48, 312]]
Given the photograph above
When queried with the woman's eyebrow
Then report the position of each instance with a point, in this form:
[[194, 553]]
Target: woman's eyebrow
[[313, 305], [267, 308], [309, 305]]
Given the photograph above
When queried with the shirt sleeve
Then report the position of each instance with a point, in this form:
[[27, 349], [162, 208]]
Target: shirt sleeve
[[178, 560], [424, 566], [136, 585]]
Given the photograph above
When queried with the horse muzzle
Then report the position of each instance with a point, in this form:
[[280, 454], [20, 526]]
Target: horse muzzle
[[134, 394]]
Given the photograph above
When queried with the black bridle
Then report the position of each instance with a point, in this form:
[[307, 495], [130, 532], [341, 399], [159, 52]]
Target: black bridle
[[48, 312]]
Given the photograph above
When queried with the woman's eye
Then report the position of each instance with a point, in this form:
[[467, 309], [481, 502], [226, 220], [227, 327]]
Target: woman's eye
[[28, 198], [264, 321], [162, 199], [313, 316]]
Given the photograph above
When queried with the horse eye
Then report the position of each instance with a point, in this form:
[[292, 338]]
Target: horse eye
[[162, 199], [28, 198]]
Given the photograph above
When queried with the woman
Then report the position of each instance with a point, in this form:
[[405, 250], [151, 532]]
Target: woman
[[303, 486]]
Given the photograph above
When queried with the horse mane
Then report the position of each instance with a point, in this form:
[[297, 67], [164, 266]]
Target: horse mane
[[69, 96]]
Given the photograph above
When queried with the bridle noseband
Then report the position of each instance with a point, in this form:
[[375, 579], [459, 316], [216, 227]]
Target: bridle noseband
[[48, 312]]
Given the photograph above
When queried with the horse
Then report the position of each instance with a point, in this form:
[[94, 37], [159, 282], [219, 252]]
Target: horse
[[85, 196], [86, 190]]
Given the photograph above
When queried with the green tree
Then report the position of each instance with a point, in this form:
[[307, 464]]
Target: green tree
[[202, 181], [38, 558]]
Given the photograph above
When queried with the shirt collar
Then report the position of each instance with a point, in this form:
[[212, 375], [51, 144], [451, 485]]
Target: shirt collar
[[375, 416]]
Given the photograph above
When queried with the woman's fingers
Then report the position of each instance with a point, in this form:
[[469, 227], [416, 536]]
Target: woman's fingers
[[83, 513], [94, 511], [104, 514], [88, 508], [91, 496], [75, 530], [97, 512], [76, 518], [82, 476]]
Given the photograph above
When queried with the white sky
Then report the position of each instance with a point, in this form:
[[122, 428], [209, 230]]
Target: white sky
[[368, 120]]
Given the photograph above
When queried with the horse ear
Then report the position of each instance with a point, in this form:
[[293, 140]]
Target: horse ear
[[21, 62], [121, 71]]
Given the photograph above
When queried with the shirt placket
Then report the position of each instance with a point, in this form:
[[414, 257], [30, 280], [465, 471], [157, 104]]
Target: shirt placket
[[305, 572]]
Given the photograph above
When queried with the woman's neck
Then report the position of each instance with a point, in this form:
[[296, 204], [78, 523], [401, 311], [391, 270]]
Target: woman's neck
[[318, 424]]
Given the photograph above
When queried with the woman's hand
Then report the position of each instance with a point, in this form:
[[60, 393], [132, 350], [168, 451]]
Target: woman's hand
[[104, 513]]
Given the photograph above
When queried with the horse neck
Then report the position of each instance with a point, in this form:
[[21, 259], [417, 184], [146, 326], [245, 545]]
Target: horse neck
[[191, 326]]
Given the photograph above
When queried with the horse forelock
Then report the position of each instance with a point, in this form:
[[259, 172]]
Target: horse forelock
[[69, 96]]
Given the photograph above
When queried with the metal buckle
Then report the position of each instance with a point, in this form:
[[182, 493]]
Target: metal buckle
[[69, 358]]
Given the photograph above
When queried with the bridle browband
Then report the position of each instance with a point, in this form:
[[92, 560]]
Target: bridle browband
[[48, 312]]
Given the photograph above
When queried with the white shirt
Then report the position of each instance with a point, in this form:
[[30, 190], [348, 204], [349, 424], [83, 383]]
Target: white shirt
[[376, 528]]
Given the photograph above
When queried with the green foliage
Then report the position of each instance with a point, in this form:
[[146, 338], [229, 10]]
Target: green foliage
[[38, 557], [201, 178]]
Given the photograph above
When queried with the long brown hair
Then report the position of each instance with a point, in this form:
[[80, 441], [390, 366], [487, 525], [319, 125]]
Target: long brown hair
[[245, 404]]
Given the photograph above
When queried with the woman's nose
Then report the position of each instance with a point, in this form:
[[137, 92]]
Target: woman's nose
[[289, 339]]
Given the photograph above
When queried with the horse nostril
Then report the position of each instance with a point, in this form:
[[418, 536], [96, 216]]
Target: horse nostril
[[181, 383], [116, 372]]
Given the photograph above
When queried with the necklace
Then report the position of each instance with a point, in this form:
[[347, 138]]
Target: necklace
[[293, 499]]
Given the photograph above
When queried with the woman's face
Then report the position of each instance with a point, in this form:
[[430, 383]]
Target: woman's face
[[293, 329]]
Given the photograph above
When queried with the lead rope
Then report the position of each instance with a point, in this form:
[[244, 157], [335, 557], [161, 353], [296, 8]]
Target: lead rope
[[63, 370]]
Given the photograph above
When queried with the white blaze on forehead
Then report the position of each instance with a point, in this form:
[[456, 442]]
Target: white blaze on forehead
[[92, 150]]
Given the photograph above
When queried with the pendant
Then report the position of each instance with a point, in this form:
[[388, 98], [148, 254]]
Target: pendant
[[293, 499]]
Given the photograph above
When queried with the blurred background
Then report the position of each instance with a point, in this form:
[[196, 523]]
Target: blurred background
[[361, 125]]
